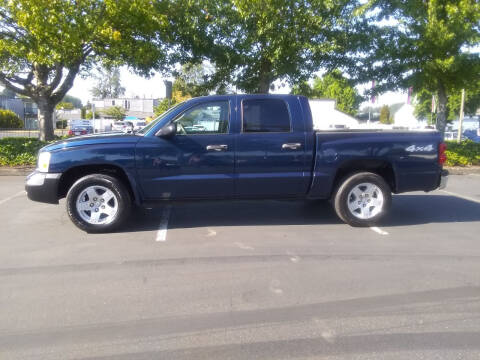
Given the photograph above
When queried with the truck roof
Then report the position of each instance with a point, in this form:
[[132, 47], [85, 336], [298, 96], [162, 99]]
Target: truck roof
[[250, 96]]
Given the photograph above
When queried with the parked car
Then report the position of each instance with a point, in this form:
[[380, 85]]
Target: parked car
[[124, 126], [250, 147], [80, 130], [473, 135], [139, 125]]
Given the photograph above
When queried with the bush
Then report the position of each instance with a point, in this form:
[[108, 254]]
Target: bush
[[61, 124], [464, 153], [10, 120], [19, 151]]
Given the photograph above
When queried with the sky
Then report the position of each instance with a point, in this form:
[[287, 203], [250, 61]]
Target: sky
[[135, 86]]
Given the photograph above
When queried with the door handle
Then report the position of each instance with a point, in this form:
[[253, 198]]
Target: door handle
[[291, 146], [217, 147]]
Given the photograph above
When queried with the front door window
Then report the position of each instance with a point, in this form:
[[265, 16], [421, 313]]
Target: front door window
[[207, 118]]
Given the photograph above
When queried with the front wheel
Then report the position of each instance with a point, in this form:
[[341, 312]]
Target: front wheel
[[98, 203], [362, 199]]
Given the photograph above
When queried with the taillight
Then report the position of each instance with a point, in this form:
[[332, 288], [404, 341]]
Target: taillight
[[442, 156]]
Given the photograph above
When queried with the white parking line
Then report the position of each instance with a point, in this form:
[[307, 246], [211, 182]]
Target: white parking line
[[163, 227], [211, 232], [243, 246], [3, 201], [461, 196], [378, 230]]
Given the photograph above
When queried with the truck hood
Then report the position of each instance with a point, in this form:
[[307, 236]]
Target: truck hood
[[93, 139]]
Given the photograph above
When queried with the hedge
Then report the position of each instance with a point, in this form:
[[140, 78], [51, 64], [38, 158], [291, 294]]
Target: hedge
[[19, 151], [10, 120], [464, 153]]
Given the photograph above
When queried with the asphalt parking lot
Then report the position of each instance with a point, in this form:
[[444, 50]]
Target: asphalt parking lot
[[243, 280]]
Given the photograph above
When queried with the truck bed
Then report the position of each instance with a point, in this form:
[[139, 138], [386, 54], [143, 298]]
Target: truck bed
[[408, 158]]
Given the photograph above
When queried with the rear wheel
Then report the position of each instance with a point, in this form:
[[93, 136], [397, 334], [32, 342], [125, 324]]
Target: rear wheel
[[362, 199], [98, 203]]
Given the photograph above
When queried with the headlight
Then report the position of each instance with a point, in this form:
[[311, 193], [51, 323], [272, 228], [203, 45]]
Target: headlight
[[43, 161]]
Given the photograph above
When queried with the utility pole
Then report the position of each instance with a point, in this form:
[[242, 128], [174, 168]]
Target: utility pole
[[93, 116], [460, 119]]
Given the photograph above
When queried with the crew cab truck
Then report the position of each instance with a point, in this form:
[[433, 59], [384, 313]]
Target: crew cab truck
[[235, 147]]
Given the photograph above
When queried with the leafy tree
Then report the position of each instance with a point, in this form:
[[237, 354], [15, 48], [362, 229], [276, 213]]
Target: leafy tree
[[108, 84], [199, 80], [89, 114], [423, 105], [472, 101], [332, 85], [432, 45], [163, 106], [117, 112], [253, 43], [64, 106], [76, 102], [44, 44], [192, 80], [385, 117]]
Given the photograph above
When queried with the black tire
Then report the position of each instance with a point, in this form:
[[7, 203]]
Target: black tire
[[122, 196], [341, 198]]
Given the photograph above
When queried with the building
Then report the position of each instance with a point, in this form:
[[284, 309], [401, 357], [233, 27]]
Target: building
[[405, 117], [25, 109], [135, 107], [326, 116]]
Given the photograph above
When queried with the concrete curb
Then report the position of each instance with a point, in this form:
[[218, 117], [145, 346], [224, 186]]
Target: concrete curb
[[15, 171], [463, 170]]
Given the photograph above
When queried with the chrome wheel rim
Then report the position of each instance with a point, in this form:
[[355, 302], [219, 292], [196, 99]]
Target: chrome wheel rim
[[97, 205], [365, 201]]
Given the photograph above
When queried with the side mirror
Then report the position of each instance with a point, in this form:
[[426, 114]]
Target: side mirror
[[167, 131]]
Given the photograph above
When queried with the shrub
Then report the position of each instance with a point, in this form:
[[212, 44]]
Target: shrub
[[10, 120], [464, 153], [19, 151], [61, 124]]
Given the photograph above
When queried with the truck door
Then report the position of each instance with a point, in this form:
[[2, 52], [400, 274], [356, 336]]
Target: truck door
[[270, 148], [197, 162]]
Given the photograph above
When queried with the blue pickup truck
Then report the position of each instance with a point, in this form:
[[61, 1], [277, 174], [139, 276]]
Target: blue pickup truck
[[235, 147]]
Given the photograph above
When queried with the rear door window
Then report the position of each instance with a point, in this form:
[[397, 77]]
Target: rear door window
[[265, 115]]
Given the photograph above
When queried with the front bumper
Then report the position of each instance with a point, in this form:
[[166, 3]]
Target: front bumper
[[43, 187], [443, 179]]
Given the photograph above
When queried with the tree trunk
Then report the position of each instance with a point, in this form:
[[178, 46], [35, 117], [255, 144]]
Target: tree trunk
[[264, 78], [263, 85], [442, 109], [45, 119]]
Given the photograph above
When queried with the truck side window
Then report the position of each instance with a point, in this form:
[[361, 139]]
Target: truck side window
[[265, 115], [206, 118]]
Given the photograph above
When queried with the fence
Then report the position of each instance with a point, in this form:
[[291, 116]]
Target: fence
[[28, 133]]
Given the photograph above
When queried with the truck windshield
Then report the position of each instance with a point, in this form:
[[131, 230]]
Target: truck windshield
[[152, 123]]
